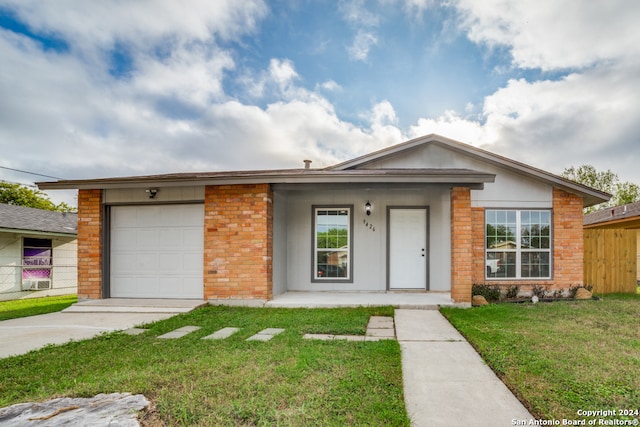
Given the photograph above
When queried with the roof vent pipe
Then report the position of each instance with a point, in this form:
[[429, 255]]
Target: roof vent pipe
[[307, 164]]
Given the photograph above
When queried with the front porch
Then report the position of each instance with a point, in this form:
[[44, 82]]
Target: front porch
[[407, 300], [415, 300]]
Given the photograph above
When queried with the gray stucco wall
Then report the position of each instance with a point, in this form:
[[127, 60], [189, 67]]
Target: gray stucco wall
[[369, 246], [509, 189]]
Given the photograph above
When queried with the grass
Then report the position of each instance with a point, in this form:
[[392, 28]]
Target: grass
[[286, 381], [564, 356], [34, 306]]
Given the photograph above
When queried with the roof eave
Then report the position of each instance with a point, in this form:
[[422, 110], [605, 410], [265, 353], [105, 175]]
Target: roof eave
[[311, 177], [38, 232]]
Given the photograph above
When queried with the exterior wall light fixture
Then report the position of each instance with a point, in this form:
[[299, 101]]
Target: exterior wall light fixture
[[152, 192], [367, 208]]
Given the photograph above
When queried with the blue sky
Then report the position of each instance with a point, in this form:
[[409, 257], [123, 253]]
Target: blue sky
[[109, 88]]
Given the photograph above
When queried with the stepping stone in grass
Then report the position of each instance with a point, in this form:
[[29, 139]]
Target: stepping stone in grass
[[322, 337], [222, 334], [180, 332], [380, 322], [266, 334], [134, 331]]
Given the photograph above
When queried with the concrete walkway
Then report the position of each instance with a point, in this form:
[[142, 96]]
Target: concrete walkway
[[445, 381], [84, 320]]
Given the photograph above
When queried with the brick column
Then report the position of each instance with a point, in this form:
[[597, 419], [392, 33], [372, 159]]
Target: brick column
[[461, 244], [238, 242], [568, 243], [90, 220], [478, 227]]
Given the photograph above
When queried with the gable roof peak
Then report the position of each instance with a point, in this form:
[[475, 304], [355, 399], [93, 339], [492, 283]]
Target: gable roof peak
[[591, 196], [391, 150]]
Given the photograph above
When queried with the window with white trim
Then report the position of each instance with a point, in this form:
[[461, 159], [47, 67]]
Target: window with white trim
[[332, 243], [518, 244]]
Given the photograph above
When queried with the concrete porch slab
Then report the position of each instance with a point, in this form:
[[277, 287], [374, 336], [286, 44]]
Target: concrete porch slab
[[134, 305], [415, 300]]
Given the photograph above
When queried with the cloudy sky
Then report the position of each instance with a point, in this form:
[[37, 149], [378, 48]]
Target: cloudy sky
[[110, 88]]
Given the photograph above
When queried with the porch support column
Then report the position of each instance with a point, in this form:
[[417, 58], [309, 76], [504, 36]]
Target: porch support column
[[461, 245], [238, 242], [90, 221]]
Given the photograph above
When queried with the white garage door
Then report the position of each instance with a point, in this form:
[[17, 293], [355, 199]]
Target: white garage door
[[157, 251]]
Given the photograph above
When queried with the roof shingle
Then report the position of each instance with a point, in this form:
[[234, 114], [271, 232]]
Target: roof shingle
[[30, 219]]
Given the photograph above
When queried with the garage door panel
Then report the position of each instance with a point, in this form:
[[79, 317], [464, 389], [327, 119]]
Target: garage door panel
[[157, 251], [146, 264], [123, 263], [191, 264], [193, 239], [122, 217], [147, 239], [148, 217], [171, 238], [119, 240]]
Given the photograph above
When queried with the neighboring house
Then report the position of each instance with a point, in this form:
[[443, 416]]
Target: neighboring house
[[38, 252], [613, 251], [411, 217]]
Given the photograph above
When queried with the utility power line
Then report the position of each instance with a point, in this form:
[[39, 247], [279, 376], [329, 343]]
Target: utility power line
[[30, 173]]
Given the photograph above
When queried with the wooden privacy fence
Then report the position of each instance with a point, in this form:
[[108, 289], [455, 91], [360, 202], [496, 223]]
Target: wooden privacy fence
[[610, 260]]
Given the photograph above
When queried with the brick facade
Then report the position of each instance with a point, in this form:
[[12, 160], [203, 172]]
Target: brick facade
[[567, 246], [238, 236], [568, 242], [90, 220], [461, 244]]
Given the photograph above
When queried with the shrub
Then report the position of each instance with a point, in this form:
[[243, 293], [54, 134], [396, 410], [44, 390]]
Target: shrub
[[512, 291], [489, 292], [538, 291]]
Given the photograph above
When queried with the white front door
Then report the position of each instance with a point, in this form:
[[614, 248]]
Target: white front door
[[408, 254]]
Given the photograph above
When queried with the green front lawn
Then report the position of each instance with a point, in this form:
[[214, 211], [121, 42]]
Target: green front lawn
[[33, 306], [190, 381], [561, 357]]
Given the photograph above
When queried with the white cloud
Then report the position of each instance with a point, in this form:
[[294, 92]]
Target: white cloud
[[282, 72], [415, 8], [361, 46], [140, 22], [555, 34], [330, 86], [193, 74], [358, 13], [451, 125]]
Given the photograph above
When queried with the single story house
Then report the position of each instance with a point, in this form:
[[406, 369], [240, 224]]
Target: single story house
[[613, 237], [38, 252], [427, 215]]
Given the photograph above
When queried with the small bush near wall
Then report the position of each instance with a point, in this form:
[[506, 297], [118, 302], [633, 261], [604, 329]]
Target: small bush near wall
[[512, 292], [539, 291], [489, 292]]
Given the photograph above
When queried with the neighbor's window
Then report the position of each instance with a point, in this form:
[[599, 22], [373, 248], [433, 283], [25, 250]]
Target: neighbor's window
[[36, 258], [332, 246], [518, 244]]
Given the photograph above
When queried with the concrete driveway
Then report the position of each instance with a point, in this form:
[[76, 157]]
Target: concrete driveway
[[82, 321]]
